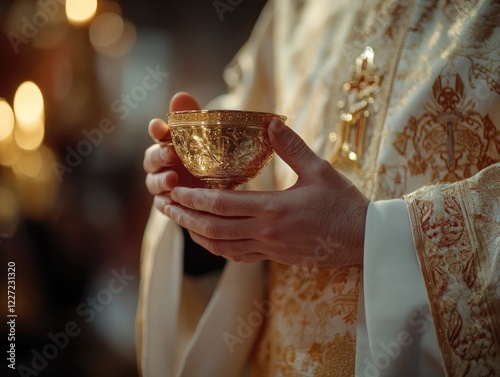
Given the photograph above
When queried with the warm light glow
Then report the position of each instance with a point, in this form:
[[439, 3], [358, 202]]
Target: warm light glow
[[105, 42], [8, 208], [30, 139], [9, 151], [30, 164], [9, 211], [6, 119], [36, 182], [106, 29], [28, 105], [80, 11]]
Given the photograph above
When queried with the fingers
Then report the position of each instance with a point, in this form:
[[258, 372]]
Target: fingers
[[158, 130], [212, 227], [237, 250], [160, 183], [158, 157], [183, 101], [161, 201], [227, 203], [292, 149]]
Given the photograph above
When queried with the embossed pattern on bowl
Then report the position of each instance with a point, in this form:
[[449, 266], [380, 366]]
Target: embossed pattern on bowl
[[223, 148]]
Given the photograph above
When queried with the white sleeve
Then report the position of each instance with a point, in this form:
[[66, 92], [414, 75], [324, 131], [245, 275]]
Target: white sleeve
[[395, 332], [183, 329]]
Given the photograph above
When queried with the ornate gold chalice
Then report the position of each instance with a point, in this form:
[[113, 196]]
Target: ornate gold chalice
[[223, 148]]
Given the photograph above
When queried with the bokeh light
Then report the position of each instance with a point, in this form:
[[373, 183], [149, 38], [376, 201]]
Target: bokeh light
[[9, 211], [6, 119], [29, 164], [36, 182], [80, 11], [9, 151], [106, 29], [111, 35], [28, 105], [31, 139]]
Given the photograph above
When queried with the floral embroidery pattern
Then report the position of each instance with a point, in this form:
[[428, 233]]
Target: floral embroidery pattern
[[454, 231], [313, 323]]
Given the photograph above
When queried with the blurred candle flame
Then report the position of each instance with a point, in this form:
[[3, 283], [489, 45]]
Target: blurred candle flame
[[80, 11], [28, 105], [29, 113], [32, 139], [6, 120]]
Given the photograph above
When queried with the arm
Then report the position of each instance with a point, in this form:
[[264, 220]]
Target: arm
[[282, 226], [454, 229]]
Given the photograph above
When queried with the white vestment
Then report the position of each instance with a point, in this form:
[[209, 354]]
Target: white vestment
[[434, 117]]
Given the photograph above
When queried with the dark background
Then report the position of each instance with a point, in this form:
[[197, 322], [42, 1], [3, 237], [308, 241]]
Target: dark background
[[72, 233]]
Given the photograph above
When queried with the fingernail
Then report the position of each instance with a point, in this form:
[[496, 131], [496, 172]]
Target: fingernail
[[174, 193], [168, 201], [169, 210], [277, 126]]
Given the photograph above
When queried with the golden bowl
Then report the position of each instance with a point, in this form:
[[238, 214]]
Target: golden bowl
[[223, 148]]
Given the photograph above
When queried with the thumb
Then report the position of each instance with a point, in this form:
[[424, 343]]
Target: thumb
[[183, 101], [158, 129], [291, 148]]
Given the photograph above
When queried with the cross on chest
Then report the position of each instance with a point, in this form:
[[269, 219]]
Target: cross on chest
[[355, 111]]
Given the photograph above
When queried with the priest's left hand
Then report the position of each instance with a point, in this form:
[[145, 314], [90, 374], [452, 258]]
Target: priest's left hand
[[320, 219]]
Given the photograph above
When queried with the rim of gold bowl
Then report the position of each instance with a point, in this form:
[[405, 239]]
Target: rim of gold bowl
[[186, 117]]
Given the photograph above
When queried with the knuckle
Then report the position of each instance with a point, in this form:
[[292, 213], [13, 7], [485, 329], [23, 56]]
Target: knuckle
[[321, 168], [161, 184], [218, 205], [189, 200], [152, 184], [296, 147], [268, 233], [273, 209], [159, 203], [212, 231], [146, 163], [156, 183], [179, 219], [153, 160]]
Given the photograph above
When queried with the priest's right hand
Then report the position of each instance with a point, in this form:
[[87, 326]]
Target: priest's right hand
[[162, 165]]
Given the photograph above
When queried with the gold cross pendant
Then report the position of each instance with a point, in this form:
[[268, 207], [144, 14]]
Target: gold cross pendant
[[355, 111]]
